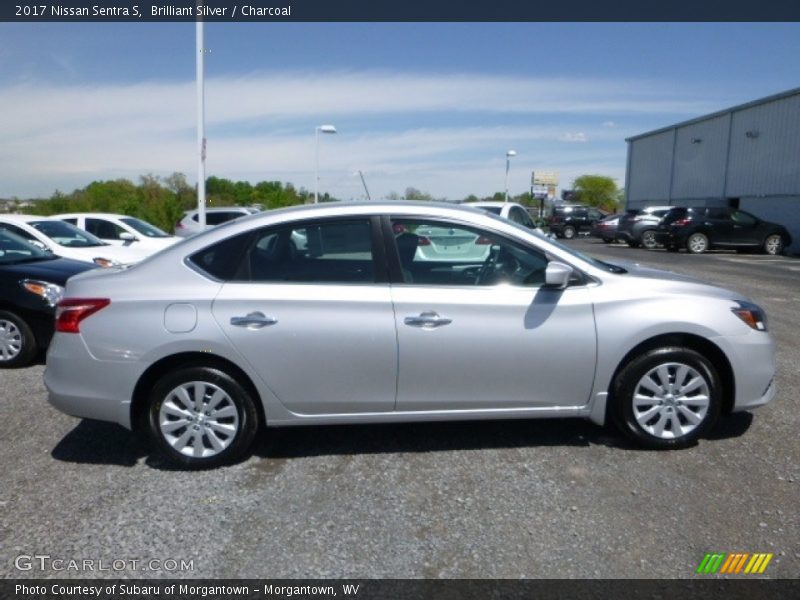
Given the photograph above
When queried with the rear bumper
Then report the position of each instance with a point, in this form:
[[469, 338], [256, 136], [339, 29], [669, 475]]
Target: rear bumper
[[81, 386]]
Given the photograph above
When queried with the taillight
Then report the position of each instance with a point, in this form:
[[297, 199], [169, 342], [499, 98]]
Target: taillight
[[423, 241], [681, 222], [483, 241], [555, 219], [71, 311]]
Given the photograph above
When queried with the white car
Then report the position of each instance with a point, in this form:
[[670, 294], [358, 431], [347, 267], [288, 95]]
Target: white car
[[121, 230], [508, 210], [190, 224], [67, 241]]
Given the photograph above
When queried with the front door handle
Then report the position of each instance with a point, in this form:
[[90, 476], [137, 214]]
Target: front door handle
[[427, 320], [254, 320]]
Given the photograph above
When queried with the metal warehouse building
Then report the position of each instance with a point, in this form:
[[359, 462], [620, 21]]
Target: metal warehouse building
[[747, 156]]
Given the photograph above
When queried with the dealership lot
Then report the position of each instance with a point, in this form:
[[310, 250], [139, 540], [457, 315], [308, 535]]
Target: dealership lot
[[555, 498]]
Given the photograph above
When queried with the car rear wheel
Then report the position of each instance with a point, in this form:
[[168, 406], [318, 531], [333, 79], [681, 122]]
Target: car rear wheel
[[569, 232], [648, 239], [200, 417], [667, 398], [697, 243], [773, 244], [17, 343]]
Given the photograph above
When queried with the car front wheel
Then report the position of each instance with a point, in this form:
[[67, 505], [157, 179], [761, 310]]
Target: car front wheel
[[667, 398], [200, 417], [773, 244], [17, 342], [697, 243], [569, 232]]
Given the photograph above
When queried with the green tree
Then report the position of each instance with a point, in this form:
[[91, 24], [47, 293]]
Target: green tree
[[597, 190], [413, 193]]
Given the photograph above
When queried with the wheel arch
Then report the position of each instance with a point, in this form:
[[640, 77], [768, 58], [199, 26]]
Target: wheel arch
[[686, 340], [187, 359]]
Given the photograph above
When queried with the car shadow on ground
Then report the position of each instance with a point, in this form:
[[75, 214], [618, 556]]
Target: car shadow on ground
[[95, 442]]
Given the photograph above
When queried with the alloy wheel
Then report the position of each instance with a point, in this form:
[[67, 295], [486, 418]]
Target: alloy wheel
[[10, 340], [773, 244], [671, 400], [697, 243], [198, 419], [649, 239]]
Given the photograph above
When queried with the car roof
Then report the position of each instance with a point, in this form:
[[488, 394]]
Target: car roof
[[209, 209], [482, 203], [25, 218], [93, 214]]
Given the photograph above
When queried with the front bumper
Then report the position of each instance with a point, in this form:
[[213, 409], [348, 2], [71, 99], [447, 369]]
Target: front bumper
[[752, 358]]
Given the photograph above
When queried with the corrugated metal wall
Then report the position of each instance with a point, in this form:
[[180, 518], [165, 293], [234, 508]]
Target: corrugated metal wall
[[651, 168], [768, 161], [700, 153]]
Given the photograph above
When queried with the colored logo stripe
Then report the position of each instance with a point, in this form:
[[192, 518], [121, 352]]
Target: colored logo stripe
[[733, 563]]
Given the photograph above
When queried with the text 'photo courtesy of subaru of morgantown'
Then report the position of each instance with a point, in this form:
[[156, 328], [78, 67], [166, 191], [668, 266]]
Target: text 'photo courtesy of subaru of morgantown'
[[367, 313]]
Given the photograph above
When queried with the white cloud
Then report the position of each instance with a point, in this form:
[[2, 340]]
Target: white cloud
[[578, 136], [609, 124], [261, 127]]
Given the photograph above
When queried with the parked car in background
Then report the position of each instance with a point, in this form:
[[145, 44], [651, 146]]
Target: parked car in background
[[638, 227], [567, 220], [359, 328], [31, 283], [67, 241], [606, 228], [121, 230], [190, 224], [508, 210], [699, 229]]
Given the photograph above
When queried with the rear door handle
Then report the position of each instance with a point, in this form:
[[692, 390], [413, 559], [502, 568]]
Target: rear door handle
[[253, 320], [427, 320]]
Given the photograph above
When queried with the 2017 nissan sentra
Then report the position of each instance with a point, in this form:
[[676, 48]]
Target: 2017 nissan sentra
[[243, 327]]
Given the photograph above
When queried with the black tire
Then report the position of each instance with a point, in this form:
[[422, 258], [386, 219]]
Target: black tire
[[234, 395], [624, 389], [648, 239], [569, 232], [18, 345]]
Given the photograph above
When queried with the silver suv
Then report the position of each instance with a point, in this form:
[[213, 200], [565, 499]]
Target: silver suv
[[244, 326], [190, 223]]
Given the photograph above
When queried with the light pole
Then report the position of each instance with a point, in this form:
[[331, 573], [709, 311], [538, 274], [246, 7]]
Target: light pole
[[201, 125], [360, 174], [509, 154], [318, 129]]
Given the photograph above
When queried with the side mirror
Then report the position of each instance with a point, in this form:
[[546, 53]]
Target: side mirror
[[40, 245], [557, 275], [127, 237]]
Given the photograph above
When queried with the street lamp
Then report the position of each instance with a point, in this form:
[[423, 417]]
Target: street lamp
[[319, 129], [509, 154]]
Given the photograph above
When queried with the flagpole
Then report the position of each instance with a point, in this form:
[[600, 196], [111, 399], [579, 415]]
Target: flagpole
[[201, 134]]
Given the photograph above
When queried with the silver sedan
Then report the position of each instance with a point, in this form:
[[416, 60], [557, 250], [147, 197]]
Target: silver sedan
[[241, 328]]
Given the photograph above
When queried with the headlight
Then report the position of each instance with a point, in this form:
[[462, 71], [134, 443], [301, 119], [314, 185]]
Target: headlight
[[751, 314], [105, 262], [50, 292]]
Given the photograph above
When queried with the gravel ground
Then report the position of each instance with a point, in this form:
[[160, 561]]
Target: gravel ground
[[558, 498]]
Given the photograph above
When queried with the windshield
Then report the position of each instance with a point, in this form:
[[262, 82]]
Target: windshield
[[14, 249], [67, 235], [599, 264], [144, 228]]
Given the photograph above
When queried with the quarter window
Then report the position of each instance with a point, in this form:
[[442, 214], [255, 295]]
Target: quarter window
[[332, 252]]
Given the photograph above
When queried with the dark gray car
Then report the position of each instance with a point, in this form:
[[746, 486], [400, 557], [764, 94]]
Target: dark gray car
[[638, 227]]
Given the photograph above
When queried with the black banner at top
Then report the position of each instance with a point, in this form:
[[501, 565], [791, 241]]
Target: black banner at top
[[398, 10]]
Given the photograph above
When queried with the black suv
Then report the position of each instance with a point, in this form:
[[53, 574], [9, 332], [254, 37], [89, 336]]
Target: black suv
[[705, 228], [638, 227], [567, 220]]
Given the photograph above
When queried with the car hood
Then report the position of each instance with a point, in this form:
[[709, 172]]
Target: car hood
[[56, 270], [669, 281]]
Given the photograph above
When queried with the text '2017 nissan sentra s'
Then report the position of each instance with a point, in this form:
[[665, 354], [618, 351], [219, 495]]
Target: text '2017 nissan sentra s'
[[337, 313]]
